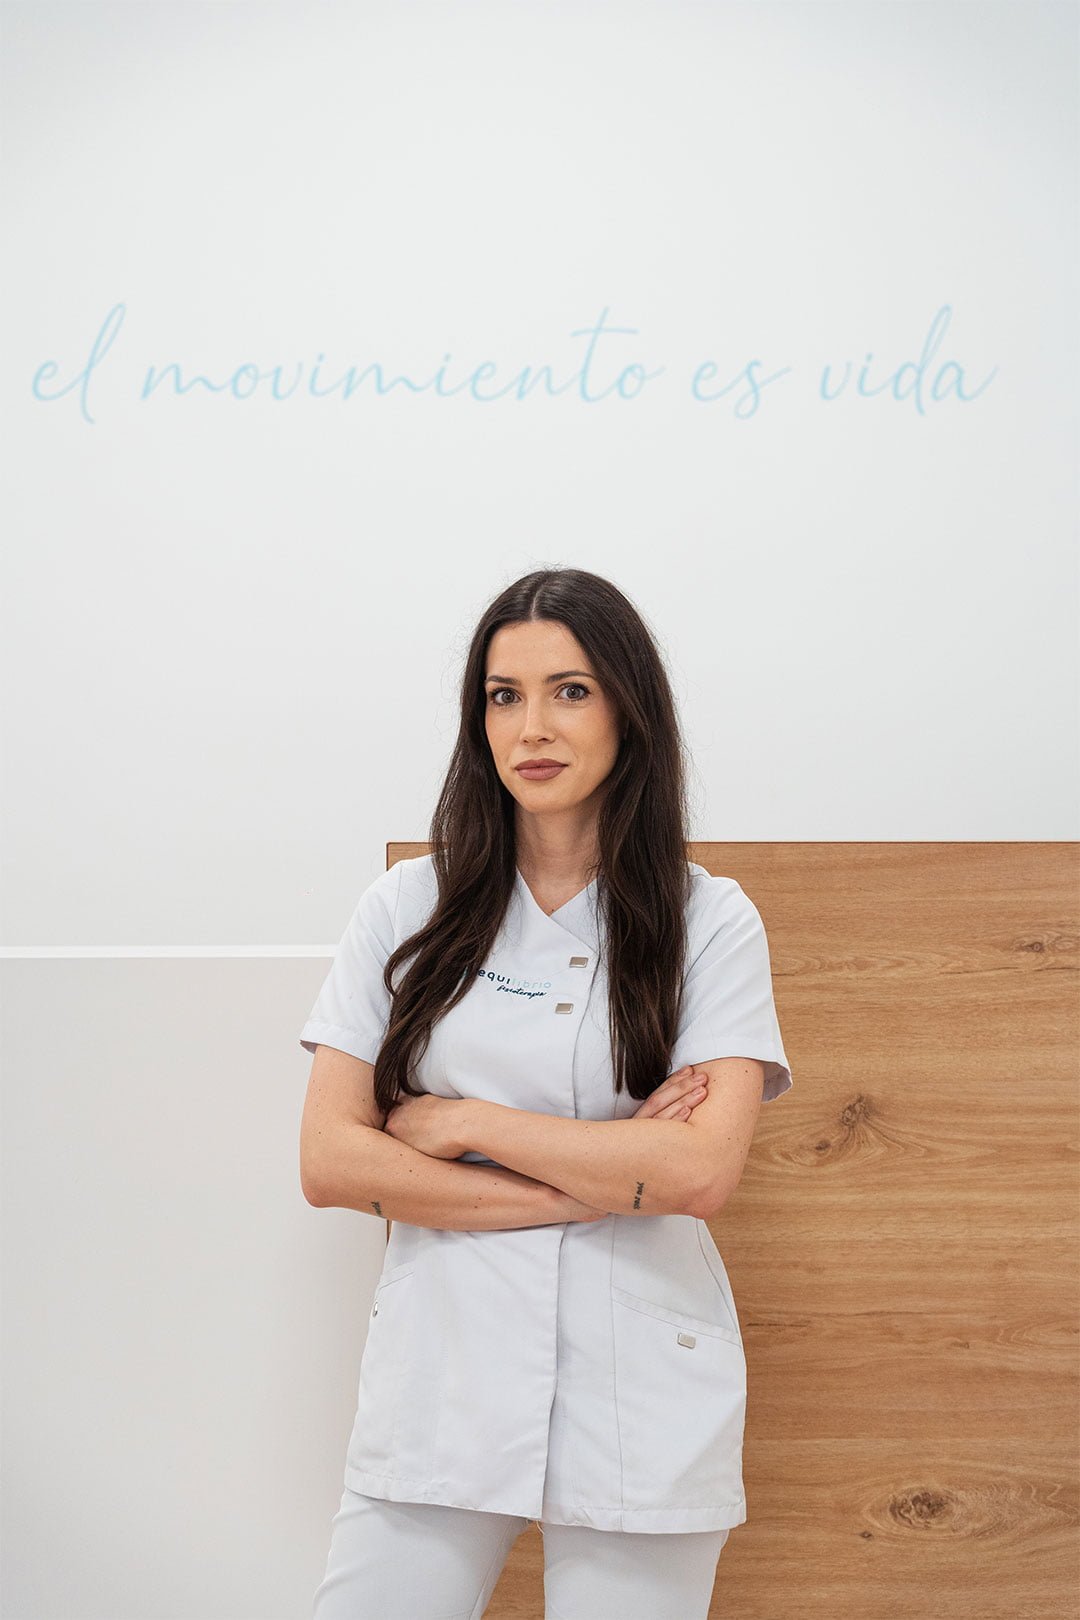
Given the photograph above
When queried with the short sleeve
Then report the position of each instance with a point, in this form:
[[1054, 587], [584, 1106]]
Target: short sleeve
[[728, 1008], [352, 1009]]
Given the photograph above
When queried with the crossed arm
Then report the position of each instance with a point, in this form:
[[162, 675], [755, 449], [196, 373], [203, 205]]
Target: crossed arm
[[631, 1166], [624, 1166]]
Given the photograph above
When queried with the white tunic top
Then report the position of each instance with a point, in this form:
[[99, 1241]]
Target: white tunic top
[[579, 1373]]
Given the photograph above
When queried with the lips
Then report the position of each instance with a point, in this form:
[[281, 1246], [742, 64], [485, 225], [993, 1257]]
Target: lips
[[540, 773]]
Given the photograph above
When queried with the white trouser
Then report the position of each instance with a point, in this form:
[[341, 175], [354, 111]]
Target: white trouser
[[425, 1561]]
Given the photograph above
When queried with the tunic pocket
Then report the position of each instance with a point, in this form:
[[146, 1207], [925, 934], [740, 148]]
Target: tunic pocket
[[680, 1392], [383, 1369], [718, 1271]]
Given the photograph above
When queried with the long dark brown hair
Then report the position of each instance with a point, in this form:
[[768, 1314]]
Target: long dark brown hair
[[642, 878]]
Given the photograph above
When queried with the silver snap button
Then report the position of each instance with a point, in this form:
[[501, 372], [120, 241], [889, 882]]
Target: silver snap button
[[564, 1006], [688, 1339], [579, 961]]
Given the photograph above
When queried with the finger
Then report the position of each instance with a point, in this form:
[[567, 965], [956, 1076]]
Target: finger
[[693, 1089], [682, 1105], [673, 1111], [672, 1092], [680, 1084], [666, 1093]]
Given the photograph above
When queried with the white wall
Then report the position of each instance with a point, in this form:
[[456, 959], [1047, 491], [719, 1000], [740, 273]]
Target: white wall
[[232, 626]]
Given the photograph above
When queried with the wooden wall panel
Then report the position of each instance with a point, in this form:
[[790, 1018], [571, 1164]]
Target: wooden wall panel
[[903, 1243]]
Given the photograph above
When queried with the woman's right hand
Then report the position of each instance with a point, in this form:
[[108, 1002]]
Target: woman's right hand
[[674, 1098]]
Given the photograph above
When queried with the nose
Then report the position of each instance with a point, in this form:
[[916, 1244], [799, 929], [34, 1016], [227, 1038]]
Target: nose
[[534, 727]]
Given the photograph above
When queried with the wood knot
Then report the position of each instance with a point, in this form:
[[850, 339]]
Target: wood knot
[[920, 1507]]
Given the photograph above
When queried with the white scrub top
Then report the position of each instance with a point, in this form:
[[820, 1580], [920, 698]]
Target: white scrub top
[[578, 1373]]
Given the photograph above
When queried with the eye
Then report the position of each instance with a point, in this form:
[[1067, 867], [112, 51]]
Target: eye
[[569, 686]]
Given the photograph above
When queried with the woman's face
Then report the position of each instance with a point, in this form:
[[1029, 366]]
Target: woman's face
[[544, 702]]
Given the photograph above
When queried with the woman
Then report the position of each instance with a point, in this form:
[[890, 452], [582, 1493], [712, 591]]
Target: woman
[[553, 1336]]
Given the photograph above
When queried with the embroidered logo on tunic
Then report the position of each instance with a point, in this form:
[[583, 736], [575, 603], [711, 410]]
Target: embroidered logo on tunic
[[512, 986]]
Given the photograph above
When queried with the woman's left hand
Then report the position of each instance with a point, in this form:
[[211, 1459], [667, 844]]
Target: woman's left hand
[[430, 1124]]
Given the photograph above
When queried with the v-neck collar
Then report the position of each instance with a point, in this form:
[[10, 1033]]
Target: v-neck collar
[[531, 899]]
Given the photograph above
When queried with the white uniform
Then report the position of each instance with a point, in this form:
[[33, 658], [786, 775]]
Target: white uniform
[[579, 1373]]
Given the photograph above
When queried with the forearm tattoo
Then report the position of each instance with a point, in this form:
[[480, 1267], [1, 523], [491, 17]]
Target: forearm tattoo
[[637, 1195], [377, 1207]]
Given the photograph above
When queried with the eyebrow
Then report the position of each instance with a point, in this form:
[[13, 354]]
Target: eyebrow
[[509, 680]]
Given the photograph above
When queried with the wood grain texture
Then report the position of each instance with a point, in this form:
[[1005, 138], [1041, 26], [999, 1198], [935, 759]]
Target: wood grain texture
[[903, 1245]]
